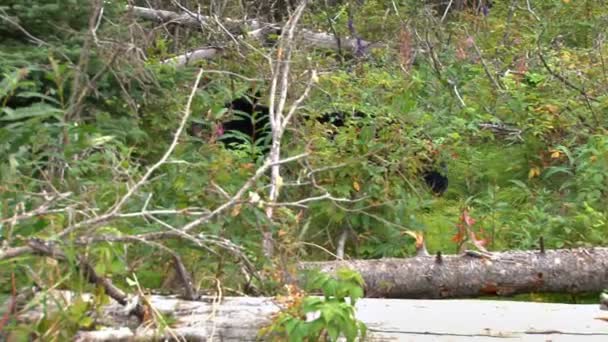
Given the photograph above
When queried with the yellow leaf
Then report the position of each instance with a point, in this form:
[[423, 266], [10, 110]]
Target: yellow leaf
[[356, 186], [566, 1], [534, 172], [236, 210], [299, 216], [279, 182], [555, 154], [552, 108]]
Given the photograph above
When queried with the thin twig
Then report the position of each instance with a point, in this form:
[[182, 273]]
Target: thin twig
[[43, 209], [529, 6], [180, 269], [8, 19], [486, 69], [447, 9]]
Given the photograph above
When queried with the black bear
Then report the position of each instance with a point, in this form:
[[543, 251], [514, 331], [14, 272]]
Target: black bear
[[250, 126], [437, 181], [435, 178]]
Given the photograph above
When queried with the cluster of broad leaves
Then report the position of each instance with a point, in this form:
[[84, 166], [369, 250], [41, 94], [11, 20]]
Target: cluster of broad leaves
[[468, 70], [332, 315]]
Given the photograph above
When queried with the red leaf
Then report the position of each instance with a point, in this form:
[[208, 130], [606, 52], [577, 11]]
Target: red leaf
[[458, 237], [481, 241], [467, 219]]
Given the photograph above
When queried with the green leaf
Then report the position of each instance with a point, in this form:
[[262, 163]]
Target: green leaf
[[291, 325], [333, 332], [32, 94], [86, 322], [555, 170], [37, 110], [311, 304], [328, 312], [130, 282]]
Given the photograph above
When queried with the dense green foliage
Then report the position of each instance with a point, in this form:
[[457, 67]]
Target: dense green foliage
[[87, 106], [336, 315]]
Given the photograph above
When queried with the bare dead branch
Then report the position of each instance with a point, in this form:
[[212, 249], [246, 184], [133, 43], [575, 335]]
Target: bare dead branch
[[50, 250], [115, 210], [14, 252], [43, 209], [201, 241], [281, 73], [80, 86], [561, 78], [239, 194], [9, 20], [486, 69], [180, 269], [529, 8], [169, 150]]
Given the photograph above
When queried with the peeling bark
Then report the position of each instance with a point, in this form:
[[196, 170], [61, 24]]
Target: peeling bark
[[475, 274]]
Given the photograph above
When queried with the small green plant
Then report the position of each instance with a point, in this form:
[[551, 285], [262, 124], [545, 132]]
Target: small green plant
[[312, 318]]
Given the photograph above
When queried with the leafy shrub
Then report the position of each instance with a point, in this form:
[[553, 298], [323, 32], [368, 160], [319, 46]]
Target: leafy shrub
[[317, 319]]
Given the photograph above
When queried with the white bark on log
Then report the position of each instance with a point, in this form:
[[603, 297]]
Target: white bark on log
[[167, 16], [240, 318], [457, 276], [196, 55], [325, 40]]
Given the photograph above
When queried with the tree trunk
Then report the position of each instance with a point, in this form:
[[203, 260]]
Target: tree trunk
[[473, 274]]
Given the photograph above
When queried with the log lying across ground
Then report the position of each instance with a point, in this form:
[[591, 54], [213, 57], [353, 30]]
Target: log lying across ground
[[259, 30], [475, 274], [240, 318]]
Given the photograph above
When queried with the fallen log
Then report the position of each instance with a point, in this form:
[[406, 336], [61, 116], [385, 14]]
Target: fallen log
[[258, 31], [476, 274], [240, 319]]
